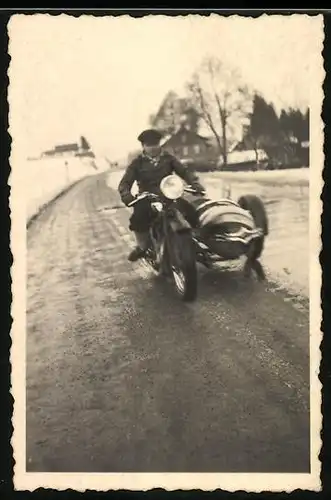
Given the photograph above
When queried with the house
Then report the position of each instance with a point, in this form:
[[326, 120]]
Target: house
[[66, 149], [85, 154], [287, 152], [73, 149], [63, 149], [189, 146], [170, 112], [246, 160], [242, 157]]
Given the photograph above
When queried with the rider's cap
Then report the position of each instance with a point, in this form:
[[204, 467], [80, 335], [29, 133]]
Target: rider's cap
[[150, 137]]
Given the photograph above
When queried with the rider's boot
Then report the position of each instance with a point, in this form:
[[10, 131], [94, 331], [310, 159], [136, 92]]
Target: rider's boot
[[142, 244]]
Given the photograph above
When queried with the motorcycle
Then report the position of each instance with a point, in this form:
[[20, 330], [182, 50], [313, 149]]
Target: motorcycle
[[171, 251], [225, 230]]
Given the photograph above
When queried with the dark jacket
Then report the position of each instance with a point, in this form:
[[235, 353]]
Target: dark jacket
[[148, 175]]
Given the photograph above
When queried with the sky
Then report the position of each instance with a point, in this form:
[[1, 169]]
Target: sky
[[102, 77]]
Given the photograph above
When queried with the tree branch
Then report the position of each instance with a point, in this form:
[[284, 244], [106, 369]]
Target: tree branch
[[206, 114]]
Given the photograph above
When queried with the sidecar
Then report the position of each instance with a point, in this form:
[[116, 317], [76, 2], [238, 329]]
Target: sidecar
[[228, 230]]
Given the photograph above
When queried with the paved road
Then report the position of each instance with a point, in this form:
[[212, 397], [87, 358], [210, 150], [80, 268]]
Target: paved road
[[121, 376]]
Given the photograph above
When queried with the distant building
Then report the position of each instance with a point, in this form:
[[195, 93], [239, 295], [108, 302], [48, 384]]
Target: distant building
[[274, 153], [81, 149], [63, 149], [170, 112], [241, 156], [189, 146], [66, 149], [85, 154], [246, 160]]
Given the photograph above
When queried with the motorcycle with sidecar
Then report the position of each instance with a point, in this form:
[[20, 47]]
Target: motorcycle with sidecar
[[225, 230]]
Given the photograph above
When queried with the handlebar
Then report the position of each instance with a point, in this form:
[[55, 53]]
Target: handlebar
[[191, 190], [142, 196], [146, 194]]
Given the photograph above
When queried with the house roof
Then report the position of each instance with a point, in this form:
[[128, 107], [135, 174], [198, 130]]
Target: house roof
[[66, 147], [171, 97], [204, 130], [181, 128]]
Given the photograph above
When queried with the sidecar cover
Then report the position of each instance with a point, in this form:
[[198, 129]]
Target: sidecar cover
[[220, 212]]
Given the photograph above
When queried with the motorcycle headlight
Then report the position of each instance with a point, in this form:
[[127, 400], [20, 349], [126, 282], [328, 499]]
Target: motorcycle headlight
[[172, 187]]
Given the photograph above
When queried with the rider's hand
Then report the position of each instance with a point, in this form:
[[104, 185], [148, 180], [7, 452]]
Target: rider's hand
[[198, 188], [128, 198]]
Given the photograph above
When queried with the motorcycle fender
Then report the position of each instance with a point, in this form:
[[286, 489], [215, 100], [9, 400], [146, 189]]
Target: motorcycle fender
[[178, 222]]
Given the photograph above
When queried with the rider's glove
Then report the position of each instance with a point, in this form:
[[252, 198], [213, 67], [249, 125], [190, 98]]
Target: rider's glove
[[198, 187], [127, 199]]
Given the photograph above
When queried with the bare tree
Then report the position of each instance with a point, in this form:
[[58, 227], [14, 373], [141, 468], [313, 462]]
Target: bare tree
[[222, 100]]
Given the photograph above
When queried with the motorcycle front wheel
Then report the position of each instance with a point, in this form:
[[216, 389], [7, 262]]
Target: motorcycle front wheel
[[182, 262]]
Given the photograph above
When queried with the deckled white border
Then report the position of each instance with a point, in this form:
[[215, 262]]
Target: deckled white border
[[170, 481]]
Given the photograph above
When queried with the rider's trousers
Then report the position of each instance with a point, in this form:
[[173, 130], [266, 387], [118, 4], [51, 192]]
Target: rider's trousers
[[142, 239]]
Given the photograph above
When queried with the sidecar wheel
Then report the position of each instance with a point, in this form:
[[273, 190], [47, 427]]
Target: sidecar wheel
[[256, 249], [252, 263], [256, 207]]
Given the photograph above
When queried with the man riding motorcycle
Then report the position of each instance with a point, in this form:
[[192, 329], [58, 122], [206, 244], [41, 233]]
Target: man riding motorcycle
[[148, 169]]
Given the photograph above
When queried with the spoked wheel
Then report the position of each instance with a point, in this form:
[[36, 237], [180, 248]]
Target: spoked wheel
[[150, 259], [153, 255], [180, 280], [182, 262], [159, 264]]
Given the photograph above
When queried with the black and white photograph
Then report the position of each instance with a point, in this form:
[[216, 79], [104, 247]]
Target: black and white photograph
[[166, 174]]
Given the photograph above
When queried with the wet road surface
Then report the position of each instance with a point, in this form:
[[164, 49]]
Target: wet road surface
[[121, 376]]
